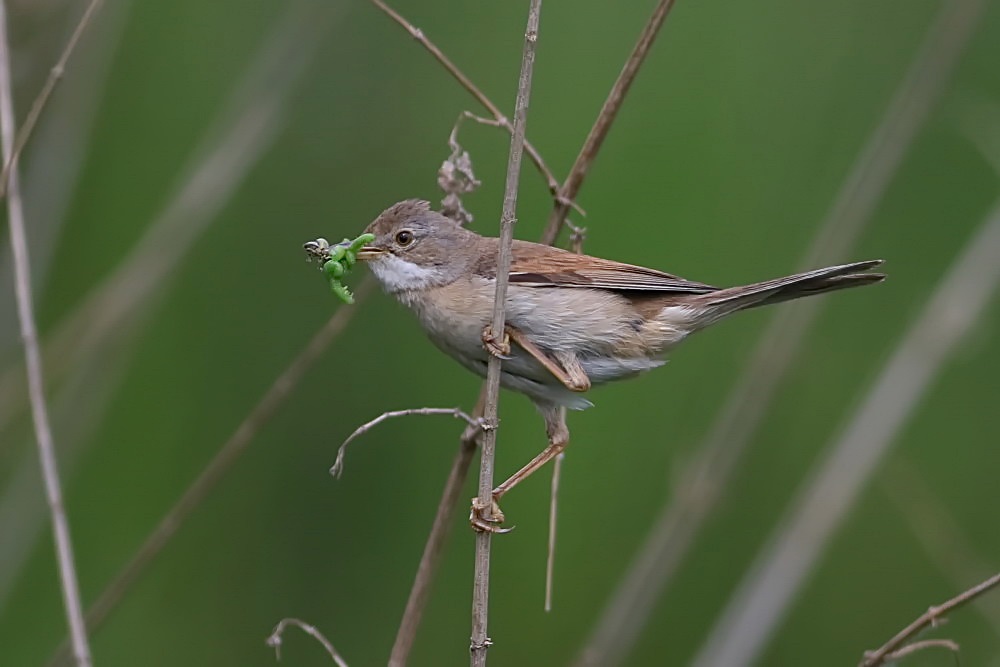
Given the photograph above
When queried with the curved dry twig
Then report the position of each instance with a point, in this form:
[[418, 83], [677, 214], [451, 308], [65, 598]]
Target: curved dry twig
[[337, 469], [275, 639]]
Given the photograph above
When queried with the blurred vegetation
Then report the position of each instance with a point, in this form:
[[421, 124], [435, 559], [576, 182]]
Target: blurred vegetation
[[729, 151]]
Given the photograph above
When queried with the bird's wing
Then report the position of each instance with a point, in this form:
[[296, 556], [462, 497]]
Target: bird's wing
[[536, 265]]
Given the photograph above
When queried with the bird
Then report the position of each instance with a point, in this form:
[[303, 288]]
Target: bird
[[573, 321]]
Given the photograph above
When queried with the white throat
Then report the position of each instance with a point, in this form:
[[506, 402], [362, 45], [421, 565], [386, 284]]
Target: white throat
[[399, 275]]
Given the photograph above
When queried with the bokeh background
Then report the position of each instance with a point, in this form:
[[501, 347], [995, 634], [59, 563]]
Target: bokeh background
[[193, 146]]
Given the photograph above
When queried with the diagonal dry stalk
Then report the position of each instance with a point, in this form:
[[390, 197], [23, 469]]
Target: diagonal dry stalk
[[763, 597], [498, 117], [605, 119], [481, 582], [220, 464], [894, 648], [10, 186], [705, 479], [55, 74], [430, 559]]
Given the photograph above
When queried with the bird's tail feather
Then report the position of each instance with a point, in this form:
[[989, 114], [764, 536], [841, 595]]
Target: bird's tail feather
[[720, 303]]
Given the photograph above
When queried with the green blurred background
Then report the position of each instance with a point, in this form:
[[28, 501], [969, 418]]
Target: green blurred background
[[731, 148]]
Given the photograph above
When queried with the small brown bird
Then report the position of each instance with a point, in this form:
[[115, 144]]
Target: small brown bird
[[575, 321]]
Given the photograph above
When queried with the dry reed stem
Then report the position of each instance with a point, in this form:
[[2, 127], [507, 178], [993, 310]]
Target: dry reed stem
[[480, 641], [11, 187]]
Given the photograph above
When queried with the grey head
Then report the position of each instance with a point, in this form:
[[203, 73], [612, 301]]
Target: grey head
[[416, 248]]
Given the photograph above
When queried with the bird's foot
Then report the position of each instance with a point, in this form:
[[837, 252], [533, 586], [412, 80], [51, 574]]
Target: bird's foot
[[497, 346], [487, 519]]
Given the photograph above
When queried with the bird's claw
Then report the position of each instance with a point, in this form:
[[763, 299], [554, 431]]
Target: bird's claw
[[487, 519], [498, 347]]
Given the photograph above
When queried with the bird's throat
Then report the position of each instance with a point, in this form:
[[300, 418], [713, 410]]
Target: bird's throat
[[399, 275]]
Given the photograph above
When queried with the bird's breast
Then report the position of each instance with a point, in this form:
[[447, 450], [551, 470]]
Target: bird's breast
[[611, 338]]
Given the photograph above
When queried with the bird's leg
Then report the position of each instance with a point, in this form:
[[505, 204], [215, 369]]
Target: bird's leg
[[565, 366], [575, 378], [555, 427]]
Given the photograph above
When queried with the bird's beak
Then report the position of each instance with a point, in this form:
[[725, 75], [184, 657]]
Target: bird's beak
[[370, 252]]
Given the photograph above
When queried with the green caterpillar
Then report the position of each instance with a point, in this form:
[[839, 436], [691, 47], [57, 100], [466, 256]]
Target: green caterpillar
[[337, 261]]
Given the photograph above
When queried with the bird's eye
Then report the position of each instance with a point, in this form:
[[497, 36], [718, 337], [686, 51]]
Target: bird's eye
[[404, 238]]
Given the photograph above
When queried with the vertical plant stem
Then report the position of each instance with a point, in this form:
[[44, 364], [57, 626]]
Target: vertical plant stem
[[550, 558], [481, 583], [33, 362]]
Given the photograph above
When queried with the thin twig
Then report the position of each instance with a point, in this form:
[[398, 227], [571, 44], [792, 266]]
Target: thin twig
[[223, 460], [707, 477], [783, 564], [481, 584], [275, 639], [33, 361], [929, 618], [55, 74], [569, 190], [550, 559], [338, 465], [500, 120], [910, 649]]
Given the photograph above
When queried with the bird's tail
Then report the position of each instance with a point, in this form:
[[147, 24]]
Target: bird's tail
[[720, 303]]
